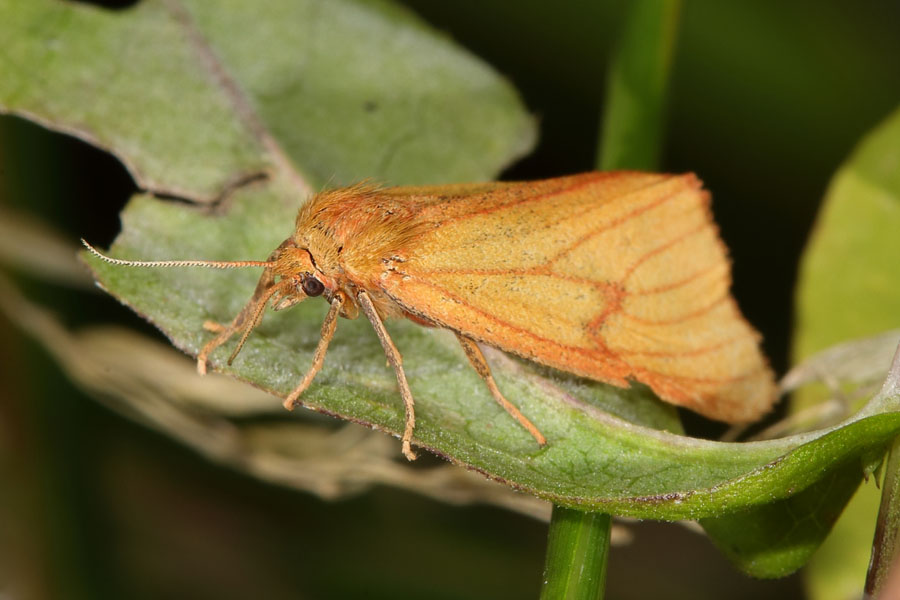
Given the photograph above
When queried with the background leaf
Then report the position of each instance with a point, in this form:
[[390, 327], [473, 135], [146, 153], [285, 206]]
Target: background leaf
[[849, 287], [193, 95], [848, 279]]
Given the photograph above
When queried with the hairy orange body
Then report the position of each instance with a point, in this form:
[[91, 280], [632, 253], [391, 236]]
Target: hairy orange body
[[611, 276]]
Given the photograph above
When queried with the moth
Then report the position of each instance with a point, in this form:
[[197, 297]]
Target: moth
[[616, 277]]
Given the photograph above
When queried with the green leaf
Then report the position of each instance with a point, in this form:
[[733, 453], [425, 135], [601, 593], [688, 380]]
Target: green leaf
[[593, 460], [197, 96], [837, 571], [849, 287], [774, 540]]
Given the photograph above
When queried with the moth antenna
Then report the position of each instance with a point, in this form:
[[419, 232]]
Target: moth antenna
[[213, 264]]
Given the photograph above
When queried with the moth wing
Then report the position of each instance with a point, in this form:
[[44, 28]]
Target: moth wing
[[611, 276]]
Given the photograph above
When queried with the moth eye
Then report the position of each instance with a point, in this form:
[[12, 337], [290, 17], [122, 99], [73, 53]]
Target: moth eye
[[312, 286]]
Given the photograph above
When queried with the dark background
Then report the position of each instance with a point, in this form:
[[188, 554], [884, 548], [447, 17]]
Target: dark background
[[767, 99]]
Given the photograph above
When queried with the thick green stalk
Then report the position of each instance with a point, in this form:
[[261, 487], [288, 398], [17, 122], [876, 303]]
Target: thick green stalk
[[887, 530], [631, 138], [633, 113], [577, 539]]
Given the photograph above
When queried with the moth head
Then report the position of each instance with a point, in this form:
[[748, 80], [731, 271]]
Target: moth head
[[289, 277], [298, 277]]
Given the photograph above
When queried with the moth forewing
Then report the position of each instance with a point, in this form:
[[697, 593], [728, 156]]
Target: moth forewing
[[610, 276]]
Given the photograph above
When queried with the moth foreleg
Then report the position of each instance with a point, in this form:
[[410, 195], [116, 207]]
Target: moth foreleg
[[224, 334], [396, 361], [329, 325], [473, 352], [240, 321]]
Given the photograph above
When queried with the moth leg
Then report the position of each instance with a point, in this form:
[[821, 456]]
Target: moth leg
[[395, 360], [224, 332], [473, 352], [329, 325], [213, 327]]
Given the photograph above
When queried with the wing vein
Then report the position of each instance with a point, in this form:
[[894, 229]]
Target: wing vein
[[693, 352], [682, 318], [618, 222]]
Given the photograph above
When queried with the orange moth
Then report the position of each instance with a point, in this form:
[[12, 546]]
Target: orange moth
[[611, 276]]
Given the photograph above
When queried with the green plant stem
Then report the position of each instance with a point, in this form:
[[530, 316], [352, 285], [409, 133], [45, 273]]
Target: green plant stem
[[887, 529], [634, 110], [631, 138], [577, 550]]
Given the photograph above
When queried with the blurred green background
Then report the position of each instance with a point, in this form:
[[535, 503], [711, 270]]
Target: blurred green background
[[767, 99]]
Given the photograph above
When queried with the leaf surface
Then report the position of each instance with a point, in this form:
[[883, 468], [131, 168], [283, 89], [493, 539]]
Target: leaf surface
[[195, 97]]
